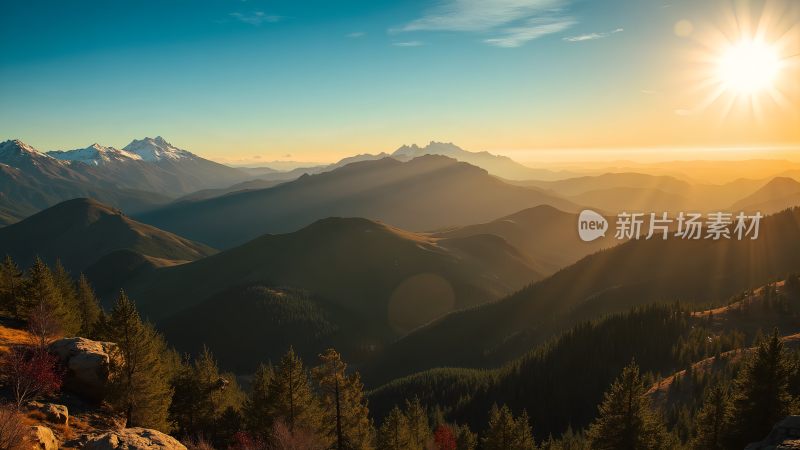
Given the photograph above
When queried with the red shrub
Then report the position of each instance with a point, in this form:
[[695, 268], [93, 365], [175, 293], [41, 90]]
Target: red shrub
[[444, 438], [30, 374]]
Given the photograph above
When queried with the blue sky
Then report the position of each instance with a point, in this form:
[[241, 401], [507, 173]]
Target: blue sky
[[316, 80]]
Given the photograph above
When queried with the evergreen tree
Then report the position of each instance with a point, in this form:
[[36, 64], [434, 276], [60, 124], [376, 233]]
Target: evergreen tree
[[43, 309], [256, 409], [202, 396], [141, 371], [394, 433], [465, 438], [291, 397], [712, 420], [70, 311], [418, 427], [11, 288], [88, 307], [626, 421], [346, 423], [761, 392], [507, 433]]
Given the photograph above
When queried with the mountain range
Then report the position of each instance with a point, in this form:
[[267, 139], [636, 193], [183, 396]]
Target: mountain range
[[80, 232], [634, 273], [422, 194]]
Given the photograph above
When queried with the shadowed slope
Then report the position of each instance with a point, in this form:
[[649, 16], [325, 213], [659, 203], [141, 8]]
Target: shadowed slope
[[425, 193], [548, 236], [81, 231], [634, 273]]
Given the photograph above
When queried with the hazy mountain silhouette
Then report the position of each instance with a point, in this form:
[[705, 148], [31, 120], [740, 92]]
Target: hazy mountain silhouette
[[635, 273], [779, 194], [501, 166], [548, 236], [81, 231], [385, 280], [629, 191], [425, 193]]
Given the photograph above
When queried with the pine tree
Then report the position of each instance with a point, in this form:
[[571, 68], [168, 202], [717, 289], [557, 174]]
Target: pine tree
[[43, 307], [418, 427], [141, 372], [761, 392], [507, 433], [394, 433], [88, 307], [69, 314], [256, 408], [291, 397], [626, 421], [201, 396], [11, 288], [346, 423], [465, 438], [712, 420]]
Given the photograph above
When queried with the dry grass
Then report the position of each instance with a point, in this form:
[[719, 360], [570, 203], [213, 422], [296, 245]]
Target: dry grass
[[13, 336]]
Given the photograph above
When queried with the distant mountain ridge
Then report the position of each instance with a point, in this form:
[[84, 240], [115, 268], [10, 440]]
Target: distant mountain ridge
[[634, 273], [31, 181], [501, 166], [153, 164], [373, 281], [425, 193], [81, 231], [778, 194]]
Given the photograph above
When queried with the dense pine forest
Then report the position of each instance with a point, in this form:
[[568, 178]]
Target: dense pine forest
[[660, 376]]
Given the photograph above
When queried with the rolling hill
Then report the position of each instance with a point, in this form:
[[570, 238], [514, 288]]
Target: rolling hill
[[80, 232], [546, 235], [425, 193], [779, 194], [378, 280], [630, 191], [634, 273]]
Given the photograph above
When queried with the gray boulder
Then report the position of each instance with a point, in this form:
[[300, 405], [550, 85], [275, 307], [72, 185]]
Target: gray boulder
[[132, 439], [88, 365]]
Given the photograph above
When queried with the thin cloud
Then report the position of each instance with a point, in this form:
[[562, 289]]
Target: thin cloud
[[592, 36], [510, 23], [255, 18], [407, 44], [356, 34], [516, 36]]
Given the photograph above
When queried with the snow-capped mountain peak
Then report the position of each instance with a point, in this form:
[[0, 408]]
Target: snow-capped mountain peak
[[156, 149], [16, 147], [95, 154]]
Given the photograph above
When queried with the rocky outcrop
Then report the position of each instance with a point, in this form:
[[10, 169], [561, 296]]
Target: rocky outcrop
[[784, 436], [132, 439], [54, 413], [42, 438], [88, 365]]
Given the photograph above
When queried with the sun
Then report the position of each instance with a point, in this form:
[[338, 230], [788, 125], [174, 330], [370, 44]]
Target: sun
[[743, 65], [748, 67]]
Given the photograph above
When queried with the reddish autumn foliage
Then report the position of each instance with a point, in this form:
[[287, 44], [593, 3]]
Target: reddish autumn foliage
[[30, 373], [444, 439], [246, 441]]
